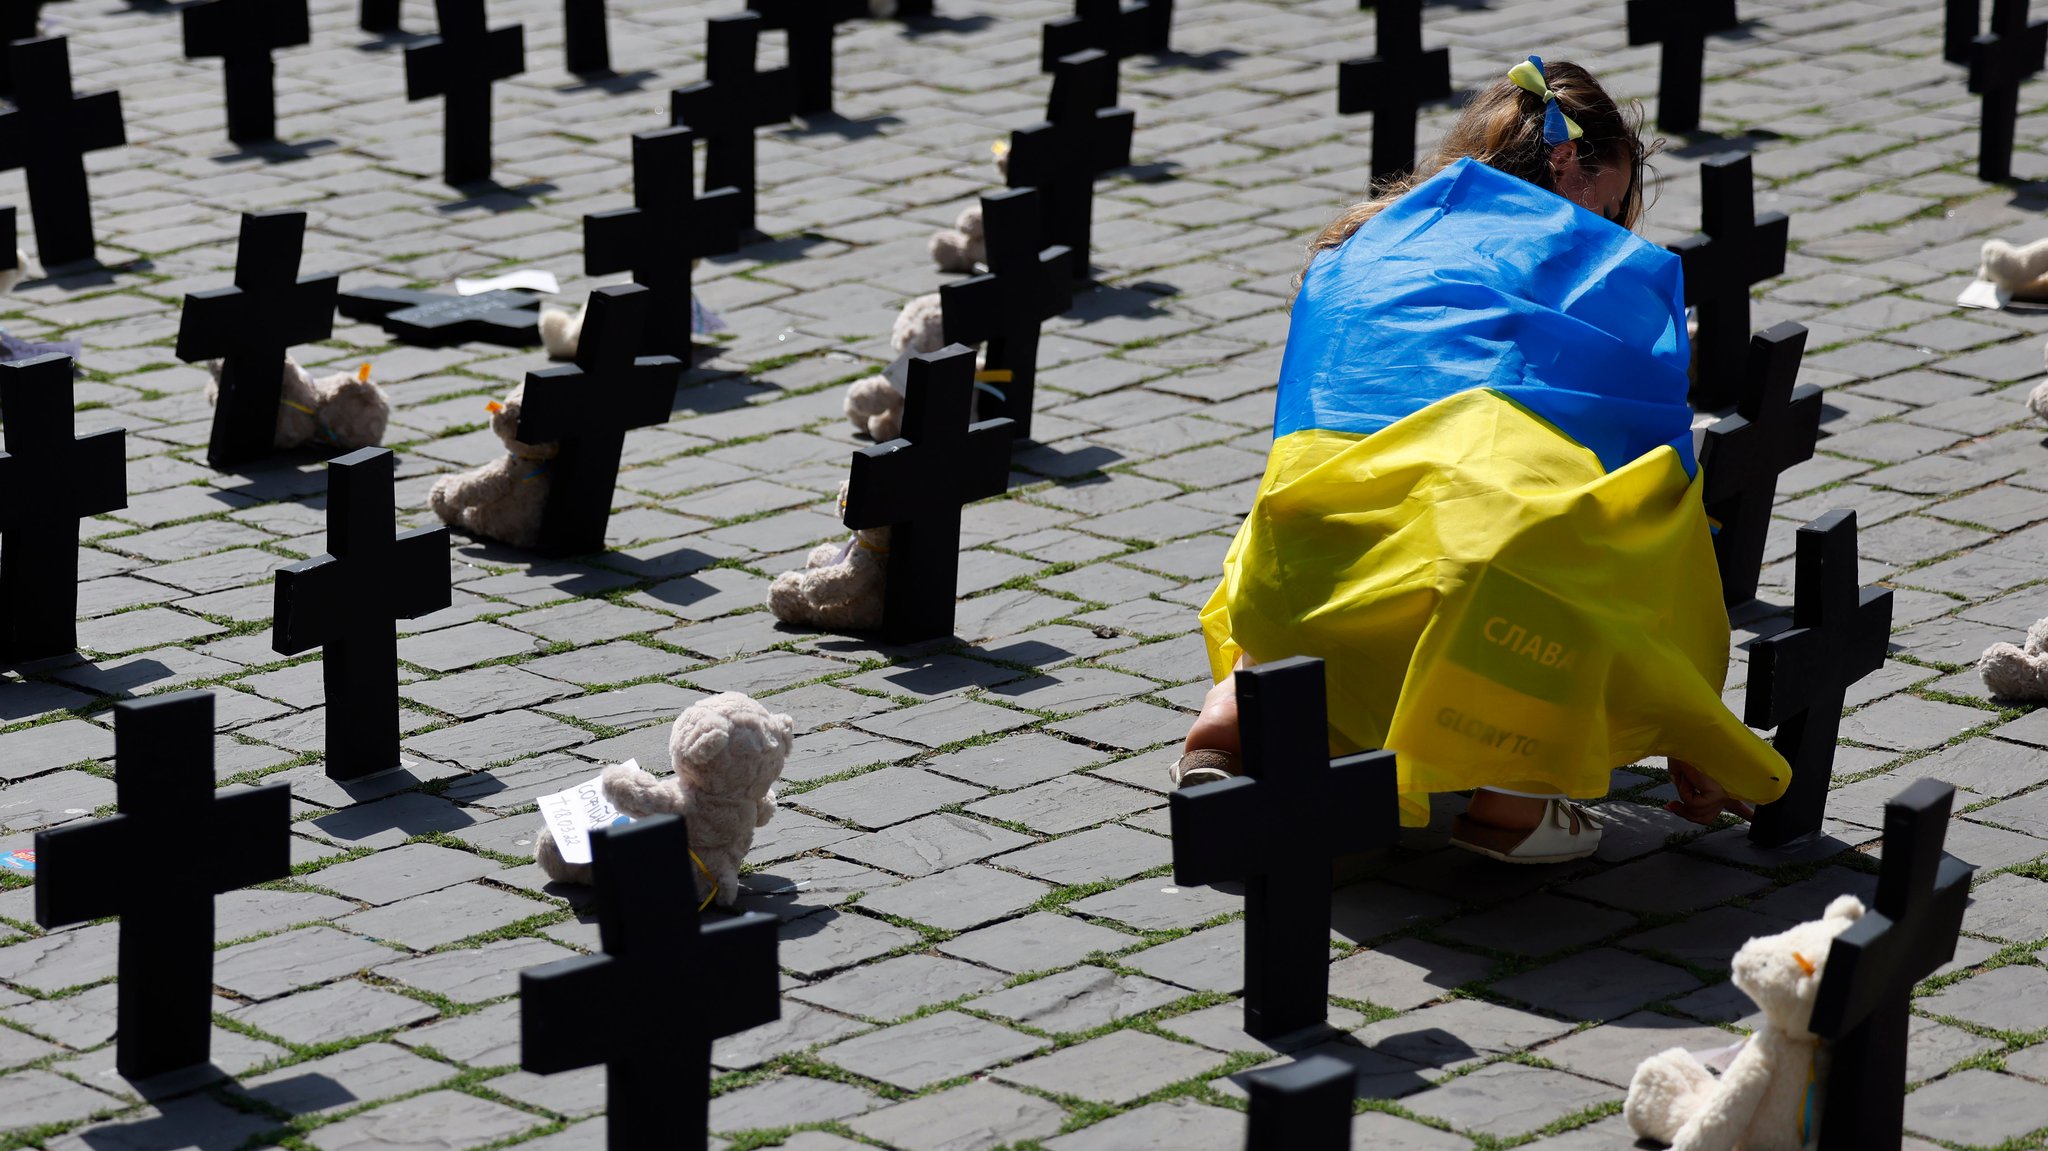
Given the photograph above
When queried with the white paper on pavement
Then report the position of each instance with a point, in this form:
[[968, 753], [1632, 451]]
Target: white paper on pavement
[[532, 279], [571, 815]]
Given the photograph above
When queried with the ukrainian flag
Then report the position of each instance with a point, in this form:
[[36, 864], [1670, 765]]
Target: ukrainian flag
[[1482, 510]]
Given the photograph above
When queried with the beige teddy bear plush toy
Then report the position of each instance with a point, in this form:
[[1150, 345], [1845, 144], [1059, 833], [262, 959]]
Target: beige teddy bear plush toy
[[345, 410], [2019, 269], [503, 499], [727, 752], [2018, 672], [1769, 1098], [2037, 400], [965, 244], [840, 586], [874, 405]]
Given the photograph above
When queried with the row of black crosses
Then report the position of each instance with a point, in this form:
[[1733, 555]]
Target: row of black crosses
[[659, 1069], [1304, 810]]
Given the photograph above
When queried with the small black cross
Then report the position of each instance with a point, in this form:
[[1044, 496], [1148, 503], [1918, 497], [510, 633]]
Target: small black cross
[[730, 102], [659, 237], [48, 132], [250, 327], [1084, 135], [2001, 61], [1798, 678], [19, 20], [48, 482], [379, 16], [1303, 1106], [721, 979], [1107, 25], [1393, 84], [916, 485], [1774, 427], [1735, 248], [587, 407], [171, 819], [1680, 30], [461, 63], [810, 24], [1959, 29], [1866, 990], [436, 319], [1025, 285], [1276, 828], [349, 602], [585, 39], [243, 33]]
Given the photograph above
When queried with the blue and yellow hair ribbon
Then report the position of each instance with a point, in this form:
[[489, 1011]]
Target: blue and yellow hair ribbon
[[1558, 128]]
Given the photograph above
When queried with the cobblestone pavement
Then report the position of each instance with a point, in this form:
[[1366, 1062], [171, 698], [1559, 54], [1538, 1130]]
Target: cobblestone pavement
[[981, 941]]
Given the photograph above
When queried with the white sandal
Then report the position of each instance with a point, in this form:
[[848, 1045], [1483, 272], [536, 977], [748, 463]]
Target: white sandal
[[1204, 766], [1566, 831]]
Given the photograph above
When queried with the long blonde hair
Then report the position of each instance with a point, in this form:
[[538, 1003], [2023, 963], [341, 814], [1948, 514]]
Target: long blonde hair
[[1503, 128]]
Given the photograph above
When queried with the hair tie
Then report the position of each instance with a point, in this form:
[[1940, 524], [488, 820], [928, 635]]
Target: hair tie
[[1557, 127]]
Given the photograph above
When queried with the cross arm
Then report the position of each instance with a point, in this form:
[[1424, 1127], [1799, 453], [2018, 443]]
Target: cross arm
[[98, 473], [561, 1024], [13, 139], [971, 309], [1767, 246], [1109, 142], [96, 122], [1363, 811], [1873, 961], [254, 823], [1870, 638], [309, 595], [427, 66], [1212, 830], [504, 52], [1782, 668], [307, 311], [614, 241], [79, 872], [742, 951], [208, 29], [419, 578], [207, 321], [717, 230], [650, 395], [1055, 281]]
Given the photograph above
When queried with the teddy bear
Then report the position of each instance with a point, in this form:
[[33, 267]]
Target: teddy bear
[[503, 499], [344, 410], [840, 585], [965, 244], [2018, 672], [873, 405], [727, 752], [561, 332], [1768, 1099], [2019, 269]]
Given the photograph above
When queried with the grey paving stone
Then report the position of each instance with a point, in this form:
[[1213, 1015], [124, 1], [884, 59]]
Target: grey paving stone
[[273, 965], [435, 1121], [887, 796], [1119, 1067], [944, 721], [451, 649], [830, 940], [976, 1116], [1037, 942], [52, 799], [1932, 1048], [2009, 907], [18, 1048], [932, 843], [787, 1100], [1160, 905], [35, 750], [1078, 999], [1537, 925], [414, 869], [1014, 761], [959, 899], [1508, 1099], [1981, 1108], [1907, 723], [192, 1121], [607, 663], [475, 975], [800, 1028], [587, 621], [1100, 853], [1381, 1130], [575, 1093], [1708, 939], [1221, 1027], [1405, 973], [388, 822], [61, 959], [1667, 883], [931, 1049], [502, 738], [347, 1078], [484, 690], [1452, 1035], [2005, 999], [1600, 984], [80, 1021], [334, 1012], [896, 987], [33, 1098], [1131, 726], [795, 888], [1176, 1125], [1068, 803], [841, 749], [486, 1038], [1611, 1051]]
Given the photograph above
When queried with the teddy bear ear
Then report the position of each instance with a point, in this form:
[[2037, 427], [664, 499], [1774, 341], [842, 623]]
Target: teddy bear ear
[[701, 739], [1845, 907], [787, 725]]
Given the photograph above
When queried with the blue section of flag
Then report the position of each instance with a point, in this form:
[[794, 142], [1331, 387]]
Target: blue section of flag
[[1479, 279]]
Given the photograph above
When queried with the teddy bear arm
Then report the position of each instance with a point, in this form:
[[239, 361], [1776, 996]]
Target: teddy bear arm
[[1730, 1110], [836, 584], [483, 485], [640, 794]]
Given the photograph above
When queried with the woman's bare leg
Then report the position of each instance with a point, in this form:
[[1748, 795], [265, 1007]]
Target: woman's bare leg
[[1499, 809], [1216, 728]]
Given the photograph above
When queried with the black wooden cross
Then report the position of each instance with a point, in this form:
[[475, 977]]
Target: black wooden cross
[[1084, 135], [1959, 29], [1303, 1106], [721, 977], [243, 33], [915, 485], [1680, 29], [1735, 248], [436, 319], [250, 327], [1798, 678], [1146, 26], [349, 602], [730, 102], [1866, 990], [461, 63], [587, 407], [47, 133], [1393, 84], [171, 819], [2001, 61], [379, 16], [1024, 286], [48, 482], [1774, 427], [1277, 828], [658, 238], [585, 39], [19, 20], [810, 24]]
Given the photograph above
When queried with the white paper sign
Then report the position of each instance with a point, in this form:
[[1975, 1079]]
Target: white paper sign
[[571, 815], [532, 279], [1984, 294]]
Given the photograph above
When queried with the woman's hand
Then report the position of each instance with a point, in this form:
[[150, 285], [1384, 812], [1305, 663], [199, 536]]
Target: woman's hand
[[1700, 798]]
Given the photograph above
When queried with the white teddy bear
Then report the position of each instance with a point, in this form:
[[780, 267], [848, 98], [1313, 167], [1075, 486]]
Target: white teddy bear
[[1769, 1098], [965, 244]]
